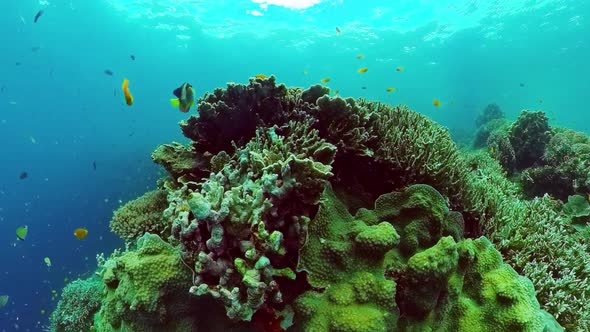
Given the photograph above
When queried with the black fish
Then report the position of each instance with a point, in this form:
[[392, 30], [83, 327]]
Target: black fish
[[364, 87], [522, 85], [39, 13], [17, 63], [94, 164], [23, 175], [108, 72], [35, 48], [132, 57]]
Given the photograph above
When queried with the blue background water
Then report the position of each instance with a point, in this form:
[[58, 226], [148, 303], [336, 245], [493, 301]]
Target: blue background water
[[58, 111]]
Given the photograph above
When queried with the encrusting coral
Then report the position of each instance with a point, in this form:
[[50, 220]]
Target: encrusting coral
[[242, 211]]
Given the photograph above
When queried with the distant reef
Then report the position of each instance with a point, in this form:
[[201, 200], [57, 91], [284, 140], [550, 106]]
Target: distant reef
[[291, 210]]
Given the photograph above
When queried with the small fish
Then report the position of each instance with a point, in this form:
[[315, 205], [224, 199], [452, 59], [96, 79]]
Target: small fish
[[33, 140], [35, 48], [436, 102], [364, 87], [3, 300], [363, 70], [185, 97], [39, 13], [42, 312], [390, 89], [540, 101], [305, 72], [338, 31], [108, 72], [399, 69], [2, 88], [21, 232], [94, 164], [66, 279], [128, 96], [360, 56], [81, 233], [336, 92], [492, 150], [325, 80], [522, 85], [23, 175], [47, 261], [18, 63], [260, 76], [132, 57]]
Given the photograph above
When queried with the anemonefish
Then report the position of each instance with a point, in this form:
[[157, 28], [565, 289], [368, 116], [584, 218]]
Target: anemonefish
[[185, 97], [128, 96]]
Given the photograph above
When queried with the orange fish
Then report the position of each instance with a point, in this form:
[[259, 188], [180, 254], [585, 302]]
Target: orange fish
[[435, 102], [399, 69], [325, 80], [363, 70], [261, 76], [128, 96], [81, 233]]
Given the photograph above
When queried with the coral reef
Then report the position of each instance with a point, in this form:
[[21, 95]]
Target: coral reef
[[491, 112], [80, 300], [435, 281], [248, 228], [528, 137], [141, 215]]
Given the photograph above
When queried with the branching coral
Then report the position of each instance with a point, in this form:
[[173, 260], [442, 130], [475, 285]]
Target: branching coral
[[141, 216], [79, 301], [528, 137]]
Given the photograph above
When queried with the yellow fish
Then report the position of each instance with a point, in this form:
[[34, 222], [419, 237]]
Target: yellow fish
[[81, 233], [390, 89], [185, 97], [261, 76], [325, 80], [436, 102], [47, 261], [305, 72], [588, 197], [128, 96], [491, 150], [336, 92], [363, 70], [399, 69], [360, 56]]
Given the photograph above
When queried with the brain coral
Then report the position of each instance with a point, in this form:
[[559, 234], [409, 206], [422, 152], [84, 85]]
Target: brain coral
[[141, 215]]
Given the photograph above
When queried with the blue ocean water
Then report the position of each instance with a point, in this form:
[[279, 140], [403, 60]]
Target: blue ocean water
[[60, 113]]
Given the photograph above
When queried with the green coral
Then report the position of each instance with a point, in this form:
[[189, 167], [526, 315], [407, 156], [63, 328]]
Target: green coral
[[441, 284], [79, 301], [528, 136], [141, 216], [578, 208], [143, 287], [490, 113]]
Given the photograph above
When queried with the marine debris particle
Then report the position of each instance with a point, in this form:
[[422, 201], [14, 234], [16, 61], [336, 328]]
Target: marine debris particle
[[39, 13]]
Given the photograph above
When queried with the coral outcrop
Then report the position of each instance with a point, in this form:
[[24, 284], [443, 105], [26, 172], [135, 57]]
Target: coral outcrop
[[141, 215]]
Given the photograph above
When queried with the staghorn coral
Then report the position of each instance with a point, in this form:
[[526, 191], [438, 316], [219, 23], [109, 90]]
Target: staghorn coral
[[140, 216], [438, 285]]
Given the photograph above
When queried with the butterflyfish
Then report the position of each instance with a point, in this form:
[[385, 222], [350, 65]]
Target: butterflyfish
[[21, 232], [81, 233]]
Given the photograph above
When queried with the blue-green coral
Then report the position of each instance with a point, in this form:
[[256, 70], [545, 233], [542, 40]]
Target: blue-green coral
[[80, 300]]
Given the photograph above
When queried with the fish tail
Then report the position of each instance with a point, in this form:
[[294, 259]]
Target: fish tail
[[175, 102]]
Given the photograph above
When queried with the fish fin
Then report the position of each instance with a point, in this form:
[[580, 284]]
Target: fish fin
[[175, 102], [177, 92]]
